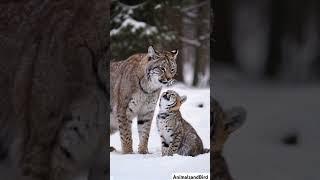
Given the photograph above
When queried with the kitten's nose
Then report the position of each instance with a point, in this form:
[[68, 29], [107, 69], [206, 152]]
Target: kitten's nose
[[165, 95], [171, 82]]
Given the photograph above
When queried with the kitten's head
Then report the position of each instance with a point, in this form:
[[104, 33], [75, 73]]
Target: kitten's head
[[162, 66], [171, 101]]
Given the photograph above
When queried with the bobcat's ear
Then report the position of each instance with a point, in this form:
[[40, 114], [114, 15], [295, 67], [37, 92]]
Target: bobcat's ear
[[236, 117], [175, 53], [151, 52], [183, 99]]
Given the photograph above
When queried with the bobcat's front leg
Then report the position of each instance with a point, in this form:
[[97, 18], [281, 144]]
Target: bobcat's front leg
[[125, 133], [164, 146], [174, 144], [144, 125]]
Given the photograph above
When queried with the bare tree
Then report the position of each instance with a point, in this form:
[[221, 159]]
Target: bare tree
[[202, 68], [195, 39]]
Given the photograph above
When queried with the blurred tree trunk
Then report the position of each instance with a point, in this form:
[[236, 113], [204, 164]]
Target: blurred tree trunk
[[195, 41], [223, 51], [299, 40], [180, 60], [174, 20], [189, 40], [201, 64]]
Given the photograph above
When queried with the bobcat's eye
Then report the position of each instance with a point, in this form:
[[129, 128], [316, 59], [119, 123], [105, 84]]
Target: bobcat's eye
[[162, 69], [172, 70]]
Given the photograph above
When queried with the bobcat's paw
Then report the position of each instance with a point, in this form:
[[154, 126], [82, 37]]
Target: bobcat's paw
[[127, 151], [143, 150]]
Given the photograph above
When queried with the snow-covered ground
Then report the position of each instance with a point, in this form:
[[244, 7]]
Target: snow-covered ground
[[155, 167], [256, 151]]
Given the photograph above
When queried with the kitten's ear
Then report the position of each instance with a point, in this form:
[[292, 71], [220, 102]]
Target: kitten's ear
[[175, 53], [151, 52], [236, 117], [183, 99]]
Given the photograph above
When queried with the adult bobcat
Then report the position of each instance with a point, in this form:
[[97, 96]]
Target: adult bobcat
[[177, 135], [135, 88]]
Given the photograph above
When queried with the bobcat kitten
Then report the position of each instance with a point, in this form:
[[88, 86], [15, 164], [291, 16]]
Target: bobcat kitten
[[177, 135]]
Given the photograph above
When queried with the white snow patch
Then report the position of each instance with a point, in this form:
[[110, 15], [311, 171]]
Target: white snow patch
[[158, 6], [148, 30]]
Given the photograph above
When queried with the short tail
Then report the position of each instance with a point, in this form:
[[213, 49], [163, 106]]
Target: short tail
[[206, 150]]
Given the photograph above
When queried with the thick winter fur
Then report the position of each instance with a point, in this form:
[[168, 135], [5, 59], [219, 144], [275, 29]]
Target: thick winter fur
[[177, 135], [224, 123], [135, 87]]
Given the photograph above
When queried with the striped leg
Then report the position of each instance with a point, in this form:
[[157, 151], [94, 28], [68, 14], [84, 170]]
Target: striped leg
[[164, 151], [144, 125], [174, 145], [164, 146], [125, 133]]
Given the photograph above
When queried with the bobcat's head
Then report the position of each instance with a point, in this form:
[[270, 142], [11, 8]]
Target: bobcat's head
[[162, 66], [171, 101]]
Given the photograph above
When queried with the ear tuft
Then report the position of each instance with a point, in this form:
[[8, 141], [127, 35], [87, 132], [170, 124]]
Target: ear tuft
[[183, 99], [236, 117], [175, 53], [151, 52]]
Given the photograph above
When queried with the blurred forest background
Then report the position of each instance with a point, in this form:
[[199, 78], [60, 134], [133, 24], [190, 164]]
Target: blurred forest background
[[269, 39], [267, 59], [167, 25]]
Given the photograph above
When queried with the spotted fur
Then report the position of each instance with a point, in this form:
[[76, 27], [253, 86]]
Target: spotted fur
[[135, 87], [177, 135], [224, 123]]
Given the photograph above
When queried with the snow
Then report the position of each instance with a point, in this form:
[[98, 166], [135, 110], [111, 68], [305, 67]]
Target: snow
[[148, 30], [154, 166], [158, 6], [126, 20]]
